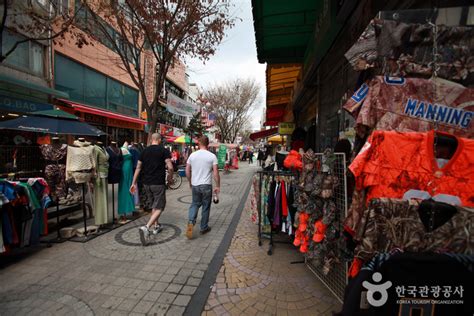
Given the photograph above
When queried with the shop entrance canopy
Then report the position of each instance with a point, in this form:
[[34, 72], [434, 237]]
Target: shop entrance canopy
[[54, 122], [283, 29], [264, 133], [281, 79]]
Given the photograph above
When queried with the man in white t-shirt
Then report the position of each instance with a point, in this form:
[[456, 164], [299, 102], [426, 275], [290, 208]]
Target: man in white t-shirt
[[200, 167]]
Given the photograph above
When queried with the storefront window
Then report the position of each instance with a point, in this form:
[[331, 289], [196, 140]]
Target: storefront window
[[93, 88], [27, 56], [69, 77]]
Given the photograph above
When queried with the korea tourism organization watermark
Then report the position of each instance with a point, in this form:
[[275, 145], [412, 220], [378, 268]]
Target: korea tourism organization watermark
[[377, 293]]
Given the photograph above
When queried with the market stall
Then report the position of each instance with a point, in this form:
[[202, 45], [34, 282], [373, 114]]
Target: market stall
[[69, 170]]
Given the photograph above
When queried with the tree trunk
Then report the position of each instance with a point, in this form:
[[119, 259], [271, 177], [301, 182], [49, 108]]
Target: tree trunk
[[152, 115]]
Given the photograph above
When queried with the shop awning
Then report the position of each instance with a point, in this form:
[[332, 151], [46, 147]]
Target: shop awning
[[283, 29], [281, 80], [33, 86], [87, 109], [264, 133]]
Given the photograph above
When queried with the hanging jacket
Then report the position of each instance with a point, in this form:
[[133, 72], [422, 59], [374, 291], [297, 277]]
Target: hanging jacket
[[271, 201]]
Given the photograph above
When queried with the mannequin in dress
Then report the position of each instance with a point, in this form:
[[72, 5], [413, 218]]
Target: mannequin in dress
[[115, 162], [55, 170], [100, 184], [126, 203]]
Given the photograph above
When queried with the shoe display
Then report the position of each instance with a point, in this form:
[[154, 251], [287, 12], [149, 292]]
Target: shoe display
[[189, 231], [144, 234], [205, 231]]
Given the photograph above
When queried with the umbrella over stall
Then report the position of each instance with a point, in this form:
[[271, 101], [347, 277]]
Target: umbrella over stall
[[54, 122], [184, 139]]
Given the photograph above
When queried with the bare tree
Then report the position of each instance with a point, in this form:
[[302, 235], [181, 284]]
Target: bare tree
[[37, 21], [161, 31], [233, 103]]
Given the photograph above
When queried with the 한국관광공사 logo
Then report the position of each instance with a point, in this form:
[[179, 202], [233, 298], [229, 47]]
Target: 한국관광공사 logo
[[377, 288]]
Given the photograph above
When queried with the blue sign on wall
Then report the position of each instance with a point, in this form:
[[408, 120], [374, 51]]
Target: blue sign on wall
[[11, 104]]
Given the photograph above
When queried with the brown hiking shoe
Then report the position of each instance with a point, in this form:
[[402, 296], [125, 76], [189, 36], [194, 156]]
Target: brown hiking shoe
[[189, 231]]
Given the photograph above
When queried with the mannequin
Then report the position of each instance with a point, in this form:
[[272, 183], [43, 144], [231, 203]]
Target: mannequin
[[55, 170], [126, 203], [80, 163], [101, 158], [115, 162]]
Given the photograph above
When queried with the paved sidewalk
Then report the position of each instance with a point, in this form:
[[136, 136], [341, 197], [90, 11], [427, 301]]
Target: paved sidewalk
[[114, 275], [252, 283]]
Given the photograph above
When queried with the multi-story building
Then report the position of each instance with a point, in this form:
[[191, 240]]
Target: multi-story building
[[25, 74], [103, 94], [88, 81]]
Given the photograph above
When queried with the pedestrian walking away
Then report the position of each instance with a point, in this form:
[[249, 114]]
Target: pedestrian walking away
[[200, 168], [152, 165]]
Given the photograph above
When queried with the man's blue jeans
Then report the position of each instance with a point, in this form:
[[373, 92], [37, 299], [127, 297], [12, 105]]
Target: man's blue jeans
[[202, 196]]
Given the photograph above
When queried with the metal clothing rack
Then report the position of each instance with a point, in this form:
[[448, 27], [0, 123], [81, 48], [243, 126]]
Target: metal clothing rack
[[336, 280], [272, 173]]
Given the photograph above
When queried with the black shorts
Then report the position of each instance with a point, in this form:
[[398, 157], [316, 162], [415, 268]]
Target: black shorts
[[155, 197]]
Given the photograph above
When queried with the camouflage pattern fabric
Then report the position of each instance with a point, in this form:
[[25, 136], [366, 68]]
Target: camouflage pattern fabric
[[393, 223]]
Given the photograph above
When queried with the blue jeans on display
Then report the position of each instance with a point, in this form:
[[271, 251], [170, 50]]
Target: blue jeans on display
[[202, 196]]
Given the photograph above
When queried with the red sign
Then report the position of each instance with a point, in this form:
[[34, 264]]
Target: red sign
[[124, 124], [166, 130]]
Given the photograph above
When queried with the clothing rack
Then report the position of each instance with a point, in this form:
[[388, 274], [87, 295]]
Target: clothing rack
[[271, 173], [336, 280]]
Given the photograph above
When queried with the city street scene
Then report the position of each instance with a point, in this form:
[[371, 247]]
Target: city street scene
[[238, 157]]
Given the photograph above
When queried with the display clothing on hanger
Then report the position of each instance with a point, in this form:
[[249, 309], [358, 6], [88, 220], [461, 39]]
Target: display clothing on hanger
[[115, 164], [55, 169], [401, 225], [80, 162], [101, 186], [411, 46], [23, 215], [126, 203], [392, 163], [413, 105]]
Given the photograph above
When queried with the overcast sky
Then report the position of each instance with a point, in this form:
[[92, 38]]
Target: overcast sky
[[235, 57]]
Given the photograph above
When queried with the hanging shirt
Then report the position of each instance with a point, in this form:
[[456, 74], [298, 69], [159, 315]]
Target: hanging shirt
[[407, 105], [284, 204], [400, 224], [391, 163]]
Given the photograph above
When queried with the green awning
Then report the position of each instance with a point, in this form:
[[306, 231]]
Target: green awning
[[33, 86], [56, 114], [283, 29]]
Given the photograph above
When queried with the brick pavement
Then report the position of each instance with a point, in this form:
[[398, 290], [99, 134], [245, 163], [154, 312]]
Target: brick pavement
[[250, 282], [114, 275]]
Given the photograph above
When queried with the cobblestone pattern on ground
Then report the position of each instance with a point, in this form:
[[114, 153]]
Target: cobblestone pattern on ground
[[113, 275], [252, 283]]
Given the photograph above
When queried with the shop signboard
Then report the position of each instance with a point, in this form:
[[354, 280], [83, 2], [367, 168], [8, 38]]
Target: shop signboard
[[181, 107], [177, 131], [10, 104], [95, 119], [286, 128], [166, 130], [221, 156], [124, 124]]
